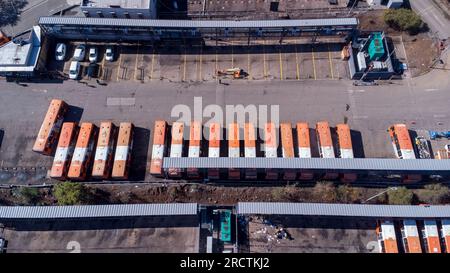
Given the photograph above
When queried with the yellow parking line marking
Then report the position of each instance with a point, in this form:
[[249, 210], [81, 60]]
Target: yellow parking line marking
[[217, 66], [184, 66], [201, 59], [248, 66], [281, 66], [103, 68], [120, 62], [331, 62], [136, 64], [232, 55], [153, 60], [264, 59], [296, 63], [314, 62]]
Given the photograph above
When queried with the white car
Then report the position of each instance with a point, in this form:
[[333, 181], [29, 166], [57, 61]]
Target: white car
[[60, 52], [79, 53], [109, 54], [74, 70], [447, 148], [93, 54]]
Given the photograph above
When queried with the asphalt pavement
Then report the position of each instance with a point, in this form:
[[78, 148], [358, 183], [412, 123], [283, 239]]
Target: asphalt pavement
[[434, 16]]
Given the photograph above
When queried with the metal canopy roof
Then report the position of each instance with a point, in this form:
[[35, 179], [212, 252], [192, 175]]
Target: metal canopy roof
[[339, 210], [90, 21], [96, 211], [368, 164]]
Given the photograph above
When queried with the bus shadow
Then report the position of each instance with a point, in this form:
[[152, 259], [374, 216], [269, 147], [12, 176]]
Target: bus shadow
[[314, 144], [358, 144], [73, 114], [2, 134], [138, 167]]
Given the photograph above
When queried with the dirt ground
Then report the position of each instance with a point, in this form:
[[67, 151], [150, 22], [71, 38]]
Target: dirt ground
[[421, 50]]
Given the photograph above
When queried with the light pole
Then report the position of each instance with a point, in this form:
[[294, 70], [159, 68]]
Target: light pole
[[378, 194]]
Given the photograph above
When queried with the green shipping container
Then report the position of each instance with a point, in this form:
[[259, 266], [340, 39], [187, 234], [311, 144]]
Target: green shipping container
[[376, 48], [225, 226]]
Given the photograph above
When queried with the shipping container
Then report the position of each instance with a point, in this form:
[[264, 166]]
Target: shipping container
[[270, 148], [83, 153], [250, 148], [325, 144], [304, 148], [234, 149], [410, 236], [287, 148], [195, 137], [64, 150], [345, 149], [122, 155], [104, 153], [176, 147], [430, 235], [158, 148], [215, 136], [51, 127]]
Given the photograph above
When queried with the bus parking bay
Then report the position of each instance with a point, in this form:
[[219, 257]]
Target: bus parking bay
[[260, 60]]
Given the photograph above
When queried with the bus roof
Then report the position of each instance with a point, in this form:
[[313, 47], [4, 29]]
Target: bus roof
[[66, 135], [303, 138], [286, 139], [85, 134], [124, 137], [195, 134], [324, 134], [412, 236], [159, 132], [270, 134], [105, 132], [249, 135], [389, 238], [432, 236], [446, 233], [233, 135], [344, 137], [47, 124], [214, 135], [404, 140], [177, 133]]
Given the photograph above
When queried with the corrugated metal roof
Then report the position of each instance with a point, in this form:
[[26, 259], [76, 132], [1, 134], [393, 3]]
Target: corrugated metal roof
[[96, 211], [374, 164], [90, 21], [351, 210]]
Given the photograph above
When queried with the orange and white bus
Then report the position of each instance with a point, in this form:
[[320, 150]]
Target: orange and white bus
[[304, 148], [445, 235], [345, 149], [234, 148], [176, 147], [82, 154], [122, 156], [103, 158], [215, 133], [325, 143], [195, 138], [410, 236], [387, 241], [50, 128], [287, 148], [430, 234], [270, 134], [158, 148], [250, 148], [403, 147], [64, 150]]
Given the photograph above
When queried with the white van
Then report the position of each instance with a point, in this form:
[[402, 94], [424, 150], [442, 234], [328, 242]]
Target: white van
[[74, 70]]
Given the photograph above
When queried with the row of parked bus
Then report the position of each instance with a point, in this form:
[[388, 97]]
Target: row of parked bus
[[427, 236], [84, 150], [298, 145]]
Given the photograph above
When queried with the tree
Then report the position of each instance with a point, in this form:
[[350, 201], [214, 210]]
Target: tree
[[401, 196], [69, 193], [29, 196], [10, 11], [434, 194], [403, 19], [348, 194], [325, 192]]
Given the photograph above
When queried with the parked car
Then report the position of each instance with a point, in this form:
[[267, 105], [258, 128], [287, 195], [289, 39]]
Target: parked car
[[447, 148], [60, 52], [92, 70], [74, 70], [79, 53], [93, 54], [109, 54]]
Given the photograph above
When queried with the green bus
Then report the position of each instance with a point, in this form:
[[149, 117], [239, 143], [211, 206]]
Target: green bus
[[225, 226]]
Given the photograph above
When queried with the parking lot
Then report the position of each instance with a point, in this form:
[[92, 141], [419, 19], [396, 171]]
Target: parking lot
[[261, 60]]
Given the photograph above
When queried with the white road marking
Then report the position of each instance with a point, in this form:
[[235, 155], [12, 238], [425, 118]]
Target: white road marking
[[120, 101], [357, 91], [439, 116], [431, 89]]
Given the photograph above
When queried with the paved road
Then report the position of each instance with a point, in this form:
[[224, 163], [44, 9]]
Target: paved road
[[433, 15]]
